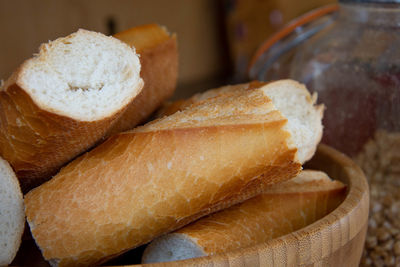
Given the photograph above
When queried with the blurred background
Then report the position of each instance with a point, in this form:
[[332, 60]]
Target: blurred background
[[216, 38]]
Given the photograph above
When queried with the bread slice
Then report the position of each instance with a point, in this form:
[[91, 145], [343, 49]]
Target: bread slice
[[303, 119], [63, 100], [144, 183], [159, 70], [12, 215], [281, 209]]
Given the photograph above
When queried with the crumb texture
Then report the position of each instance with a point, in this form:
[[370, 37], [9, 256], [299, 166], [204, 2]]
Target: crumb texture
[[85, 75], [172, 247], [12, 216], [304, 118]]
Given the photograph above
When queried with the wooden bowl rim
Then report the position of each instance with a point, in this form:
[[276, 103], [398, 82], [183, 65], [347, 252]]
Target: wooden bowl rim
[[357, 194]]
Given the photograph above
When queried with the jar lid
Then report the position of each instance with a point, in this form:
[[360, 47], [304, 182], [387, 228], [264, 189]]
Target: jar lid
[[289, 37]]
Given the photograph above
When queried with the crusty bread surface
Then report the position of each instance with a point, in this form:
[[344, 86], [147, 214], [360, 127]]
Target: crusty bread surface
[[281, 209], [304, 118], [144, 183], [12, 215], [170, 108], [63, 100], [158, 53]]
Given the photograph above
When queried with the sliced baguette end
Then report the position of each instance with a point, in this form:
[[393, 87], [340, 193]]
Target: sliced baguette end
[[294, 101], [172, 247], [76, 76], [12, 216]]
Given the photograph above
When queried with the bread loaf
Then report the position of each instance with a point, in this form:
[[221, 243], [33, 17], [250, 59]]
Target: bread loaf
[[281, 209], [285, 101], [158, 53], [63, 100], [12, 215], [144, 183]]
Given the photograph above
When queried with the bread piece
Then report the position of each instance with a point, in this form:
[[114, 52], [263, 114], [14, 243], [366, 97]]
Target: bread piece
[[170, 108], [281, 209], [159, 60], [292, 103], [144, 183], [63, 100], [12, 215]]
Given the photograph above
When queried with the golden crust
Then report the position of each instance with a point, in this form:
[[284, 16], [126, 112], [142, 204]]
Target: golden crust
[[314, 112], [170, 108], [274, 213], [159, 71], [36, 142], [141, 184]]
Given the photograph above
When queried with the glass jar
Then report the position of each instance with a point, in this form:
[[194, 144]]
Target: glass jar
[[354, 65]]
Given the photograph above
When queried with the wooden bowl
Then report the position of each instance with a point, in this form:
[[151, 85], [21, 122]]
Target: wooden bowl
[[335, 240]]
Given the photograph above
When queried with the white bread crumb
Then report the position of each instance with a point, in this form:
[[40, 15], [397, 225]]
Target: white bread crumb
[[86, 76], [12, 215]]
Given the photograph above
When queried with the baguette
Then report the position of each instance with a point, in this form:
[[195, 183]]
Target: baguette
[[159, 177], [62, 101], [312, 128], [12, 215], [159, 70], [281, 209]]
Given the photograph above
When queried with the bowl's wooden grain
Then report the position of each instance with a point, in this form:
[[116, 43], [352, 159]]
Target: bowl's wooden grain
[[335, 240]]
